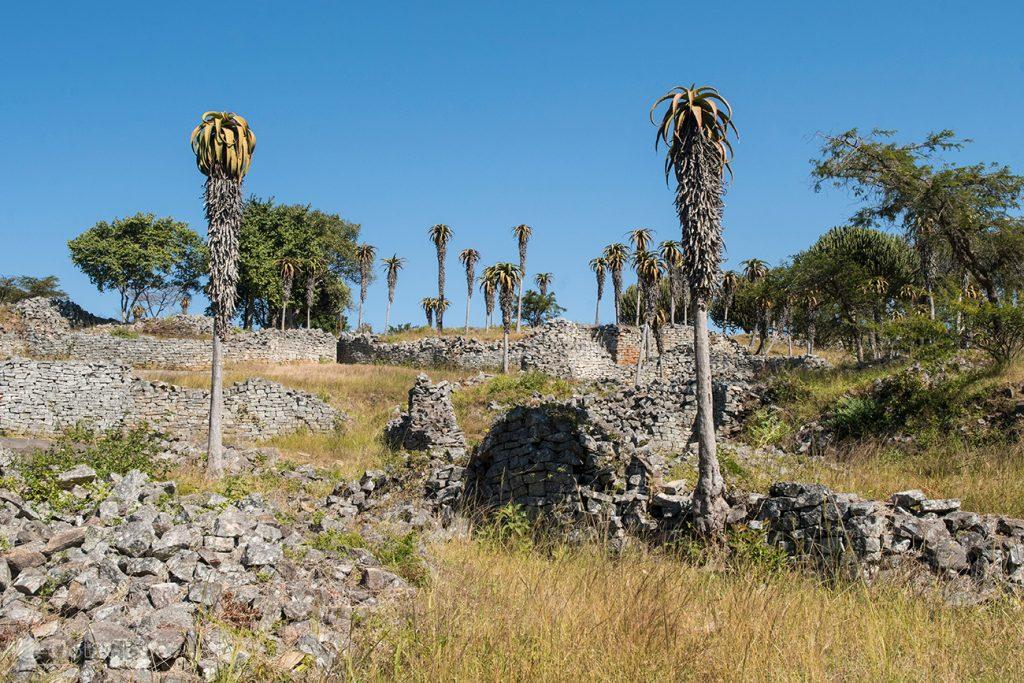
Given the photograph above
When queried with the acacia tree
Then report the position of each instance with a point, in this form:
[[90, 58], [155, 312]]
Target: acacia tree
[[615, 257], [391, 267], [522, 234], [428, 309], [365, 256], [223, 144], [598, 266], [505, 278], [489, 291], [543, 281], [440, 235], [672, 256], [694, 129], [469, 259], [641, 238], [142, 258]]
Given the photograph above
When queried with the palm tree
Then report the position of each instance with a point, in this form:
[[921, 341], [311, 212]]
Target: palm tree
[[487, 287], [755, 270], [314, 268], [469, 258], [365, 256], [615, 257], [223, 144], [598, 265], [428, 309], [672, 255], [522, 234], [730, 281], [648, 270], [504, 278], [543, 281], [287, 267], [391, 267], [440, 235], [695, 131], [440, 306], [640, 237]]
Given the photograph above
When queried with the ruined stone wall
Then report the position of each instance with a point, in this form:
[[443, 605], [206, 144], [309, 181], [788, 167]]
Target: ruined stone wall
[[147, 351], [40, 397]]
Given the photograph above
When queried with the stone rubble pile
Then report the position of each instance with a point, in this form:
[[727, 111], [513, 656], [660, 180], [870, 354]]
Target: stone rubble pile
[[144, 580]]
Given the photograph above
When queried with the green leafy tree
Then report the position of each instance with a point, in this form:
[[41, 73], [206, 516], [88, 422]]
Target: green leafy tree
[[140, 254], [18, 288], [538, 308]]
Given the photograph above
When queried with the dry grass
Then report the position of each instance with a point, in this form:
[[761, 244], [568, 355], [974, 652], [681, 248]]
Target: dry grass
[[781, 348], [490, 334], [366, 393], [491, 615], [987, 479]]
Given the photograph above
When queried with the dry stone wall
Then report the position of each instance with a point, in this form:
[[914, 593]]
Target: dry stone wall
[[41, 397], [429, 424]]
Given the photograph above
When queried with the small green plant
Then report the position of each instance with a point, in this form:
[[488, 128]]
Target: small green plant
[[749, 548], [509, 528], [337, 541], [766, 427], [400, 555], [123, 333], [110, 452]]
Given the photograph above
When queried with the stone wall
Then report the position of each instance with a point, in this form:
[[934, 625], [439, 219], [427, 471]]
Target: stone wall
[[429, 423], [41, 397], [147, 351]]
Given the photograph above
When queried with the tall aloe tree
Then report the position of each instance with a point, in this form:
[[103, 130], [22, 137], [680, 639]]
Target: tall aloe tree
[[695, 130], [392, 266], [522, 233], [487, 286], [287, 267], [672, 256], [440, 235], [223, 144], [543, 281], [648, 271], [313, 268], [440, 306], [429, 304], [730, 283], [641, 238], [469, 259], [615, 257], [366, 254], [505, 278], [755, 270], [599, 267]]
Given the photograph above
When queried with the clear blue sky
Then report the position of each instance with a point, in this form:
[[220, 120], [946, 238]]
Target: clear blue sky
[[481, 115]]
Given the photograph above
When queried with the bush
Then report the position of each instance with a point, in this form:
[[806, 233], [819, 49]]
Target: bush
[[509, 528], [996, 329], [920, 338], [855, 417], [110, 452]]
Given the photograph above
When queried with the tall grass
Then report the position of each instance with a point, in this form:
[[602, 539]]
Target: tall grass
[[492, 615]]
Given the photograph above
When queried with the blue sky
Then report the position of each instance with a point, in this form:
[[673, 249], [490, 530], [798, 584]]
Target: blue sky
[[481, 115]]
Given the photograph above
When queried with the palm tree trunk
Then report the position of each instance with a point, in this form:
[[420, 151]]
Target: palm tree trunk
[[519, 314], [387, 316], [469, 301], [597, 313], [709, 506], [639, 295], [672, 309], [215, 446], [359, 323], [640, 355], [504, 350]]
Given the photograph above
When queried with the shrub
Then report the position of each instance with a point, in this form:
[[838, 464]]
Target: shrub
[[509, 527], [996, 329], [766, 427], [855, 417], [920, 338], [123, 333], [111, 452]]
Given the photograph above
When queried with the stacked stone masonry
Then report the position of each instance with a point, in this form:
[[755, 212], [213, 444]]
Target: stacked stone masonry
[[43, 397], [60, 329], [429, 424]]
